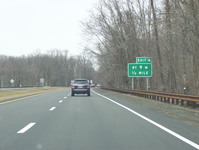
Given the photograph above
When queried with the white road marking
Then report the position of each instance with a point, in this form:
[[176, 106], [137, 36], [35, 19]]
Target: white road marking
[[26, 128], [69, 94], [154, 123], [65, 97], [52, 109], [60, 101]]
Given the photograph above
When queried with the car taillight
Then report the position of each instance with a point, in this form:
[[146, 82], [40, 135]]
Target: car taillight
[[73, 85], [88, 86]]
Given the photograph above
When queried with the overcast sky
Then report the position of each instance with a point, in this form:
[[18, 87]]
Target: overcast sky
[[27, 26]]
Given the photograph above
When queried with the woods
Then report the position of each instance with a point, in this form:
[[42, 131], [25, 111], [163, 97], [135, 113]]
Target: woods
[[118, 31], [55, 67]]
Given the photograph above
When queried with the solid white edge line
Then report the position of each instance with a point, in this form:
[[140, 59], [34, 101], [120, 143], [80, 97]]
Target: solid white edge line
[[26, 128], [154, 123], [52, 109]]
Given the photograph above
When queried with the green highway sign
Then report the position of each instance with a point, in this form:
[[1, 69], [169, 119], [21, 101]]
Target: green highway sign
[[143, 60], [140, 70]]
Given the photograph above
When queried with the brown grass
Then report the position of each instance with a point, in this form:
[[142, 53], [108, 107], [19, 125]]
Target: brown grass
[[10, 93]]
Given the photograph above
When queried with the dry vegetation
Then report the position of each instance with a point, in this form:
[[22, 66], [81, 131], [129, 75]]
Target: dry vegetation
[[12, 93], [118, 31]]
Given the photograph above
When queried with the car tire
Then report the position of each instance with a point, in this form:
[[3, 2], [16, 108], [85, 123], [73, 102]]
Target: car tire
[[73, 94], [89, 94]]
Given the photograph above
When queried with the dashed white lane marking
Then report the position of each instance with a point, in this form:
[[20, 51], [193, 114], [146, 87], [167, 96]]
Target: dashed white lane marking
[[26, 128], [52, 109], [154, 123], [60, 101], [65, 97]]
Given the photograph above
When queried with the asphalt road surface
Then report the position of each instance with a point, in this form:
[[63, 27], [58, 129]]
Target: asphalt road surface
[[58, 121]]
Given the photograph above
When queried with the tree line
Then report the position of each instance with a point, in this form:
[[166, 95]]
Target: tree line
[[55, 67], [118, 31]]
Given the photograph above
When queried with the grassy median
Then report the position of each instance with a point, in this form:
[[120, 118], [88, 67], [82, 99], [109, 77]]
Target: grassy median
[[12, 93]]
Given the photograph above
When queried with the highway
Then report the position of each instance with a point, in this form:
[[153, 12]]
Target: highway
[[103, 121]]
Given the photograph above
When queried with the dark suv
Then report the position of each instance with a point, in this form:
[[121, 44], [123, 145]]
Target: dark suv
[[80, 86]]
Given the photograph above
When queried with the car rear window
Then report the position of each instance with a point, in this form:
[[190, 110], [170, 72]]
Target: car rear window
[[81, 82]]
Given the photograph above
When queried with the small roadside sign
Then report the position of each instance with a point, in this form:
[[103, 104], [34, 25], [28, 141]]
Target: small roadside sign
[[12, 81]]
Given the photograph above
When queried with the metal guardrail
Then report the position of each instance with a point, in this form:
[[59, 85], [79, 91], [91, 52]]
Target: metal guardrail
[[178, 99]]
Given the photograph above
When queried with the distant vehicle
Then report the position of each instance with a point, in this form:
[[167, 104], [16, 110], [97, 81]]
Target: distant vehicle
[[92, 85], [80, 86], [71, 82], [98, 85]]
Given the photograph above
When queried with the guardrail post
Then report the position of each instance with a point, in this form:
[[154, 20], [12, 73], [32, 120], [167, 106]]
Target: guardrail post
[[177, 101], [172, 100], [182, 102], [161, 98], [168, 100]]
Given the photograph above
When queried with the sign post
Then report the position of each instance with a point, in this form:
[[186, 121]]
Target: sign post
[[147, 84], [132, 83]]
